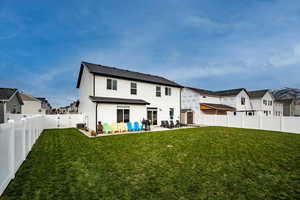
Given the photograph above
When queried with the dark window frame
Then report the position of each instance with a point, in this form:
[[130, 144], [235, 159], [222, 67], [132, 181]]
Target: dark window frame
[[111, 84], [125, 115], [158, 91], [243, 101], [168, 91], [133, 88]]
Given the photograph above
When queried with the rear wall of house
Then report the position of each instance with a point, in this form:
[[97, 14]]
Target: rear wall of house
[[13, 106], [1, 113]]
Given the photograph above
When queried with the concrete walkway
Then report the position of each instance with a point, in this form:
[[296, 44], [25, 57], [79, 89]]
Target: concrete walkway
[[156, 129]]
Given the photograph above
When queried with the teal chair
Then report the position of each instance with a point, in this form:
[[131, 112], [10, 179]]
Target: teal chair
[[137, 127], [129, 126]]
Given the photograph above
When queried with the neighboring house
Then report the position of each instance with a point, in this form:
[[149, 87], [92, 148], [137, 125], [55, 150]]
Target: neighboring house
[[262, 102], [31, 105], [196, 103], [289, 107], [278, 108], [110, 94], [10, 102], [74, 107], [45, 104]]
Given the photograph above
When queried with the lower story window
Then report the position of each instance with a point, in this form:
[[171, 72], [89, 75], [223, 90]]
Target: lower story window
[[123, 115]]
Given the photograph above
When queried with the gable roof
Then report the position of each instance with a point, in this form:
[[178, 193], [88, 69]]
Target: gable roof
[[255, 94], [124, 74], [201, 91], [7, 93], [26, 97], [231, 92]]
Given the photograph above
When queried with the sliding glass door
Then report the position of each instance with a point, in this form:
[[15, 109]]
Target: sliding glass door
[[152, 115]]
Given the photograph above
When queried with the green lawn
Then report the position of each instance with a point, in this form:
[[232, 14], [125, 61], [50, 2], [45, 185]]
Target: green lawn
[[199, 163]]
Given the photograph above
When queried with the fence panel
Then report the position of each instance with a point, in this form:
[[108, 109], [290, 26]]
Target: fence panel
[[291, 124], [252, 122], [221, 120], [5, 155], [235, 121]]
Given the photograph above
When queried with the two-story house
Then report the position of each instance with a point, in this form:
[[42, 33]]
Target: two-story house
[[263, 103], [31, 105], [109, 94], [10, 102], [197, 103]]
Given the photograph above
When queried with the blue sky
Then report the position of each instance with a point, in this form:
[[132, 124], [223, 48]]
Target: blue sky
[[211, 44]]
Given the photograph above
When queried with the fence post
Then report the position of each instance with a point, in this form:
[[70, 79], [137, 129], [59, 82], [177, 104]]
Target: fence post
[[281, 123], [243, 121], [12, 148], [24, 138]]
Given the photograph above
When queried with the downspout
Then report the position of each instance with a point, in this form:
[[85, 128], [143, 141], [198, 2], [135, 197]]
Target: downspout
[[96, 109], [180, 107]]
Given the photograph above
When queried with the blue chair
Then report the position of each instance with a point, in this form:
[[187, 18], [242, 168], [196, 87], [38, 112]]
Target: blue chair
[[129, 126], [137, 127]]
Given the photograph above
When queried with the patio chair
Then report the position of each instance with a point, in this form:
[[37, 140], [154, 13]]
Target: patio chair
[[122, 127], [177, 125], [163, 124], [172, 124], [167, 124], [137, 127], [129, 126], [106, 128], [114, 127]]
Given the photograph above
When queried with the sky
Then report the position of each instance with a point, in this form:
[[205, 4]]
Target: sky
[[209, 44]]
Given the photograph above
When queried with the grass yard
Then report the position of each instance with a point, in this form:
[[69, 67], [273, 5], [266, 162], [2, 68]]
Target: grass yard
[[199, 163]]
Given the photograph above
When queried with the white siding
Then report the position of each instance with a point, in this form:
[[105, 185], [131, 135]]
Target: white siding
[[107, 112], [145, 91], [86, 106], [32, 107]]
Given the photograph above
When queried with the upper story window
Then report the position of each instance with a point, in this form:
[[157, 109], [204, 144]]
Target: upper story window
[[111, 84], [133, 88], [158, 91], [265, 102], [168, 91], [243, 100], [270, 103]]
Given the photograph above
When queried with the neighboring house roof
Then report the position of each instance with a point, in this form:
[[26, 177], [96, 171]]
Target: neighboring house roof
[[201, 91], [26, 97], [231, 92], [219, 106], [7, 93], [124, 74], [256, 94], [118, 100]]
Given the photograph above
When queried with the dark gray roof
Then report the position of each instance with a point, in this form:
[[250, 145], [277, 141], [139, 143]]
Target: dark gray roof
[[124, 74], [118, 100], [257, 93], [231, 92], [6, 93], [219, 106], [201, 91]]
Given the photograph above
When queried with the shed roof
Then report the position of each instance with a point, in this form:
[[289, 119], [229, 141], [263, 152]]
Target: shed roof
[[118, 100]]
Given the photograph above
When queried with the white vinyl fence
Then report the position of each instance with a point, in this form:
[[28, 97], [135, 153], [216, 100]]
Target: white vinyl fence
[[283, 124], [18, 136]]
